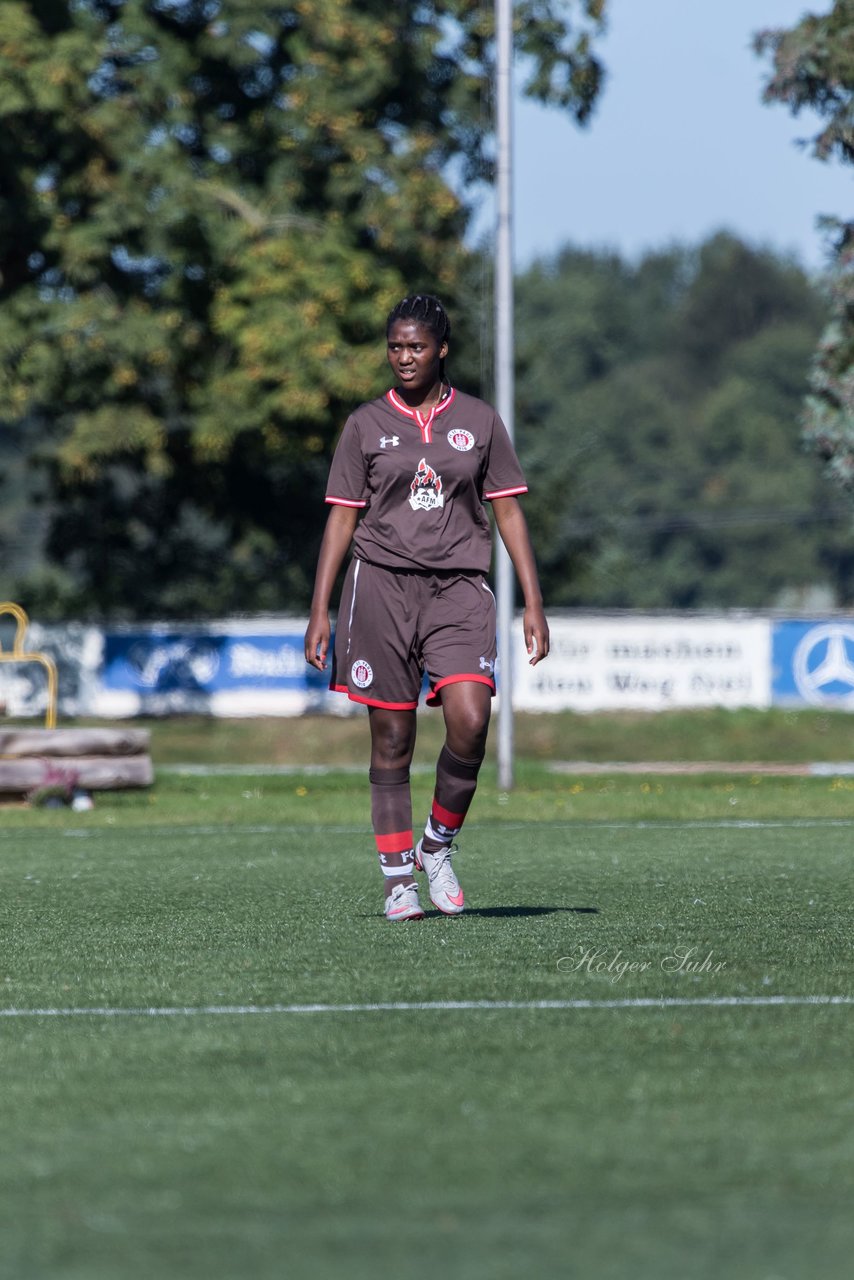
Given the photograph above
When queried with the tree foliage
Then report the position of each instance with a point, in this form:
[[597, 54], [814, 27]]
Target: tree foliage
[[813, 68], [658, 408], [207, 209]]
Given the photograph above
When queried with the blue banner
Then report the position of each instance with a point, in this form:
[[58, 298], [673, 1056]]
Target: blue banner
[[146, 662], [813, 664]]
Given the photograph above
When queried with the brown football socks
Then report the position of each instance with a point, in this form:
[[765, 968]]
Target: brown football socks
[[391, 816], [456, 783]]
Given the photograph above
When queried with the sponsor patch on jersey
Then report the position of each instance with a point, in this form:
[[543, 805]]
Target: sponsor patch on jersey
[[460, 439], [362, 673], [425, 492]]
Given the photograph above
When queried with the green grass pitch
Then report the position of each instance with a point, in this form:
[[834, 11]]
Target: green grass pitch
[[607, 1137]]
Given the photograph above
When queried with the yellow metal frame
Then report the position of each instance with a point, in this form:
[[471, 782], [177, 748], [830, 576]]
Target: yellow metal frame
[[19, 654]]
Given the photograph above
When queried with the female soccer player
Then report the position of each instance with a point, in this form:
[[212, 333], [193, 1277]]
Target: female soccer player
[[418, 464]]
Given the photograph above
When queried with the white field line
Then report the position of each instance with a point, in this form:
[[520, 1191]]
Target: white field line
[[429, 1006]]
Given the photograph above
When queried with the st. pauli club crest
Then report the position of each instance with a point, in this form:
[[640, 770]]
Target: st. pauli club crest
[[362, 673], [460, 439]]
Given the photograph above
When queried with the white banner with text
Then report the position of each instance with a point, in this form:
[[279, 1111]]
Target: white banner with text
[[647, 664]]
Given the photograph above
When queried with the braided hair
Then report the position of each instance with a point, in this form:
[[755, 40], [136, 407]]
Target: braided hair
[[423, 308]]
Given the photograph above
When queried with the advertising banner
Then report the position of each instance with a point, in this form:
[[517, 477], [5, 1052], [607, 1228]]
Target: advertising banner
[[636, 663], [229, 669], [255, 666], [76, 651], [813, 663]]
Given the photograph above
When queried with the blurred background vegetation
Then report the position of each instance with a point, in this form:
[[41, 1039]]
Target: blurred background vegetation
[[208, 207]]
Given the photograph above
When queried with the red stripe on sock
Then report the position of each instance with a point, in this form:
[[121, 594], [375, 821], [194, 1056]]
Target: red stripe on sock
[[445, 816], [397, 842]]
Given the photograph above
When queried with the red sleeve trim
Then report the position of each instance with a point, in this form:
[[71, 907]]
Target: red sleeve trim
[[505, 493], [345, 502]]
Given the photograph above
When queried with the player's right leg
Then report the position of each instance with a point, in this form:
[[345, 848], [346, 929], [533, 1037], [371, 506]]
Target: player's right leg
[[374, 664], [392, 744]]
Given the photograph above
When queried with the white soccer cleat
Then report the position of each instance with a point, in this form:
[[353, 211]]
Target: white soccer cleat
[[445, 891], [402, 903]]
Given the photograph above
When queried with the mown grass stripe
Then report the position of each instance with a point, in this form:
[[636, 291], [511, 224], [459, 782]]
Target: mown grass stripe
[[167, 830]]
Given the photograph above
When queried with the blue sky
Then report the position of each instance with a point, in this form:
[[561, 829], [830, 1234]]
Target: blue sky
[[680, 146]]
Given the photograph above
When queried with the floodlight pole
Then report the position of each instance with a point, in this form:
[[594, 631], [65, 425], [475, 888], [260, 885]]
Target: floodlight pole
[[504, 386]]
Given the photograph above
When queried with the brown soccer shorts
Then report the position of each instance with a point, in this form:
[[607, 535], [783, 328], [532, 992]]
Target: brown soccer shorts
[[395, 624]]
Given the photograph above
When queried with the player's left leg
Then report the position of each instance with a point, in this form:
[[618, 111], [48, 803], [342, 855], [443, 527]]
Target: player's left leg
[[466, 708], [458, 645]]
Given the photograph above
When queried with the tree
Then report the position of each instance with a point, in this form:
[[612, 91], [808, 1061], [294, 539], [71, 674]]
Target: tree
[[209, 206], [813, 67], [657, 424]]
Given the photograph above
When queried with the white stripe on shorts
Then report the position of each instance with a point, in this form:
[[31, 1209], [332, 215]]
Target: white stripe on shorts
[[358, 566]]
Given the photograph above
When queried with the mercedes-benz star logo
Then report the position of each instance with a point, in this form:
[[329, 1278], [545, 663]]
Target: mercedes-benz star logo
[[823, 665]]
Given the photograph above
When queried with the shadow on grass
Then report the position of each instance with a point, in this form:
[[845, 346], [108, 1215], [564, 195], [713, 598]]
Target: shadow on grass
[[498, 912], [526, 911]]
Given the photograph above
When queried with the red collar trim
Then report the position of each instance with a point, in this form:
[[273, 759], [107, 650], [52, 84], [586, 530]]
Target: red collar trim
[[416, 415]]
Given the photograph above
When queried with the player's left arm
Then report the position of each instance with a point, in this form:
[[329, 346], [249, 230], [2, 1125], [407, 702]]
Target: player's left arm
[[513, 528]]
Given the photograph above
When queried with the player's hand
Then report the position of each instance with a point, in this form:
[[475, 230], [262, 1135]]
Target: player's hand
[[317, 640], [536, 634]]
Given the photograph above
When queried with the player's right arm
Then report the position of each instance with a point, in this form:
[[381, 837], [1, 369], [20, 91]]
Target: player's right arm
[[340, 526]]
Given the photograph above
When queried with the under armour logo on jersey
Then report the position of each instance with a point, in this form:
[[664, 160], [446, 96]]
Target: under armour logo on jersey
[[486, 665], [394, 441]]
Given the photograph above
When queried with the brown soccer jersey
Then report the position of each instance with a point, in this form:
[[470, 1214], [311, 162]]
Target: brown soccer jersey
[[422, 480]]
